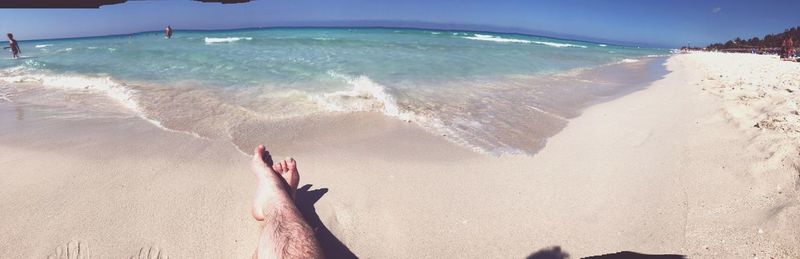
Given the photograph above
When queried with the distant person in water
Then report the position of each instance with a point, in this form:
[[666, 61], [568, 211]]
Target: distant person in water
[[168, 32], [12, 44], [284, 233]]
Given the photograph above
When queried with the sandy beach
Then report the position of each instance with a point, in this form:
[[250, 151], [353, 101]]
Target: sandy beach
[[703, 163]]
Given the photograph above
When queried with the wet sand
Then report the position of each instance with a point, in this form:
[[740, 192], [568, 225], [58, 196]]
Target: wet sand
[[667, 169]]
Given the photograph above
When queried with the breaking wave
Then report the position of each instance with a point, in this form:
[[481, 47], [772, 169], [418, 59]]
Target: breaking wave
[[225, 40], [116, 91], [484, 37], [366, 95]]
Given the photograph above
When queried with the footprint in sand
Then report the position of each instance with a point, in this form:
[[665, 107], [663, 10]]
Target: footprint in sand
[[72, 250], [635, 138], [150, 253], [79, 250]]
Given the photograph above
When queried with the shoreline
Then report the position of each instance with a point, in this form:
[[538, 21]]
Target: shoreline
[[476, 121], [659, 170]]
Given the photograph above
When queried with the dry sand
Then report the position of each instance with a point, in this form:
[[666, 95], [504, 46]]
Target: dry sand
[[676, 168]]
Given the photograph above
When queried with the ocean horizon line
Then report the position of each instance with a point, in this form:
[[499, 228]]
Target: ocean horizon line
[[335, 27]]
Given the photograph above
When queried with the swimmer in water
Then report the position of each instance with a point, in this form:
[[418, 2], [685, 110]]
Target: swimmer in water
[[168, 32], [12, 44]]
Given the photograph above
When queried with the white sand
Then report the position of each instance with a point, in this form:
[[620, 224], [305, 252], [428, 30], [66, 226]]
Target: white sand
[[675, 168]]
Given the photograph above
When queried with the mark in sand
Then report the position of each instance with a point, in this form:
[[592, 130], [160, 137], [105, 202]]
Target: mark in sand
[[72, 250]]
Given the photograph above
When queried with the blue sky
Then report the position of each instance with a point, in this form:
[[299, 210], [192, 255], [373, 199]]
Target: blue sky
[[636, 22]]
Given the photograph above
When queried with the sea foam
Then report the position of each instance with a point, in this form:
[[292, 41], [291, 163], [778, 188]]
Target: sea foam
[[102, 85], [43, 46], [366, 95], [106, 86], [225, 40], [484, 37], [369, 96]]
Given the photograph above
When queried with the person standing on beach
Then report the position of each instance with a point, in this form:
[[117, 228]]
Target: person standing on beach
[[168, 32], [12, 44], [788, 48], [284, 233]]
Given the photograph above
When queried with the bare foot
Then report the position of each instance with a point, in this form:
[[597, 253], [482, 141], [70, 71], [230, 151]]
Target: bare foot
[[275, 181], [287, 169], [150, 253], [72, 250]]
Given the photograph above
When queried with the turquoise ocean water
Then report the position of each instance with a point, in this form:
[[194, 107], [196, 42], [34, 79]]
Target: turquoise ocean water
[[488, 91]]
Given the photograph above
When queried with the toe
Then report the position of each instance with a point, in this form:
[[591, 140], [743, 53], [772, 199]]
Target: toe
[[261, 162], [258, 153], [284, 167], [295, 174], [292, 164]]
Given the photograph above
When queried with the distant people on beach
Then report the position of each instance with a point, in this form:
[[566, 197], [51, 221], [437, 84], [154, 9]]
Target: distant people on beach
[[12, 44], [168, 32], [788, 48]]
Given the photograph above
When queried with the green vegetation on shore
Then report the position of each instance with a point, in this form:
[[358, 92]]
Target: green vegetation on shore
[[770, 41]]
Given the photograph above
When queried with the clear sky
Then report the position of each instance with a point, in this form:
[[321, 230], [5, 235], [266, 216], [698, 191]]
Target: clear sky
[[668, 23]]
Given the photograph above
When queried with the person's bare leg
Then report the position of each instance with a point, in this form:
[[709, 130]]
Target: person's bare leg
[[285, 234]]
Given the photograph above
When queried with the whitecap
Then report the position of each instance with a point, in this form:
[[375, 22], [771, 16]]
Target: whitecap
[[43, 46], [559, 45], [225, 40], [602, 45], [484, 37]]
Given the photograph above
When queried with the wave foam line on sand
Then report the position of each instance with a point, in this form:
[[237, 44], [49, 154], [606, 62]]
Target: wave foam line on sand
[[369, 96], [106, 86], [225, 40], [103, 85]]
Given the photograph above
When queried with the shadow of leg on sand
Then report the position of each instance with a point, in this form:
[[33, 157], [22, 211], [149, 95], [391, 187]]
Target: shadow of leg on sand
[[555, 252], [331, 246], [549, 253]]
